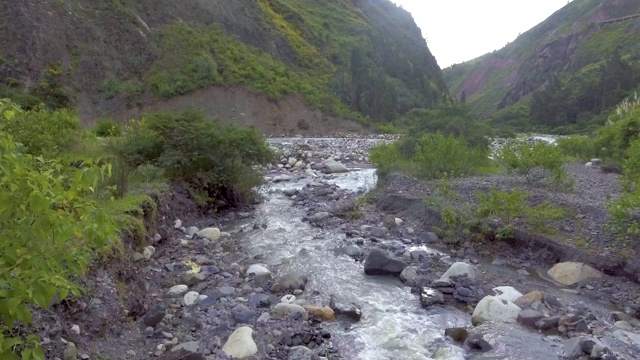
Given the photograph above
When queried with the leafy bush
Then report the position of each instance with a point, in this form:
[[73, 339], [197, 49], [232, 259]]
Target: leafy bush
[[50, 227], [217, 163], [536, 161], [107, 128], [625, 211], [623, 128], [387, 128], [41, 132], [111, 86], [438, 155], [578, 147], [508, 206], [431, 156]]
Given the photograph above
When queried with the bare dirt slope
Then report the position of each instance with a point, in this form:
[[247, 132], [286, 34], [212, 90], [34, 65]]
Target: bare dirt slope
[[237, 105]]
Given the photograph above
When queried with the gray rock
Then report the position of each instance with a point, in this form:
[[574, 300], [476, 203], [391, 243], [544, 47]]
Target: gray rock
[[349, 310], [377, 232], [333, 166], [353, 250], [194, 279], [320, 216], [477, 342], [428, 238], [491, 308], [227, 290], [154, 316], [283, 310], [419, 255], [289, 283], [380, 263], [189, 346], [243, 315], [529, 317], [178, 290], [409, 274], [260, 300], [430, 297], [547, 323], [458, 269]]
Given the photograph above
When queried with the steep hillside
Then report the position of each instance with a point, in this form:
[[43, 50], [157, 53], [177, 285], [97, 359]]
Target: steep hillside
[[567, 72], [351, 59]]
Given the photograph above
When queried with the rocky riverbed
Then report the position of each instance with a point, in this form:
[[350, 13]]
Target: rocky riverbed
[[317, 272]]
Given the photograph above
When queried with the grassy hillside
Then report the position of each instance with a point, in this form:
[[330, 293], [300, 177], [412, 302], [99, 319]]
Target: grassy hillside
[[566, 73], [354, 59]]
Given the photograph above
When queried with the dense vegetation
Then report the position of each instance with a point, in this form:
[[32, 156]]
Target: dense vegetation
[[355, 59], [69, 198], [565, 75]]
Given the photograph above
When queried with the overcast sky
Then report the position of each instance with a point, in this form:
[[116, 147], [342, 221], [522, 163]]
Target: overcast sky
[[460, 30]]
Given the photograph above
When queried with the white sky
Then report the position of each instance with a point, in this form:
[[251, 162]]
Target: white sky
[[460, 30]]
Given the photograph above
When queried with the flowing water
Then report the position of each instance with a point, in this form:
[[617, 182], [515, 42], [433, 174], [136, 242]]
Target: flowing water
[[394, 325]]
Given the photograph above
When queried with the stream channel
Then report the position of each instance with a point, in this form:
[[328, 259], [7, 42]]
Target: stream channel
[[393, 324]]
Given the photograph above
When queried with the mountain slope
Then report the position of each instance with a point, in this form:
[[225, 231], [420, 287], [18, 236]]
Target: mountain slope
[[353, 59], [564, 72]]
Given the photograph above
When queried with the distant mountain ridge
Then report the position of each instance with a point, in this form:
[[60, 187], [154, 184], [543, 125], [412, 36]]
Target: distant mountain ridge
[[567, 71]]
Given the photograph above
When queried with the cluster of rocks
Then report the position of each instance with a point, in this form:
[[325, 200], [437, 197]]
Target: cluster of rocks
[[347, 150]]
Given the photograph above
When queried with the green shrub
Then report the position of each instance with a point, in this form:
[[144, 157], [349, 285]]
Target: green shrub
[[50, 227], [578, 147], [387, 128], [438, 155], [625, 211], [107, 128], [41, 132], [623, 128], [511, 205], [132, 87], [536, 161], [217, 163]]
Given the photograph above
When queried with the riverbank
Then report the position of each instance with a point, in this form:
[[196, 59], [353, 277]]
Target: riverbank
[[283, 270]]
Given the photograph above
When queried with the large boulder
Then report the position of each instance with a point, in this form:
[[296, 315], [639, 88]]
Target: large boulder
[[380, 263], [240, 344], [569, 273], [349, 310], [507, 293], [456, 270], [333, 166], [409, 274], [491, 308]]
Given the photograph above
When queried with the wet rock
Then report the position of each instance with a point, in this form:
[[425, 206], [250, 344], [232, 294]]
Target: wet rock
[[465, 295], [321, 312], [457, 269], [491, 308], [349, 310], [258, 270], [527, 300], [507, 293], [240, 344], [430, 297], [574, 348], [283, 310], [457, 334], [380, 263], [570, 273], [477, 342], [409, 274], [300, 353], [529, 317], [290, 283], [211, 233], [332, 167], [353, 251]]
